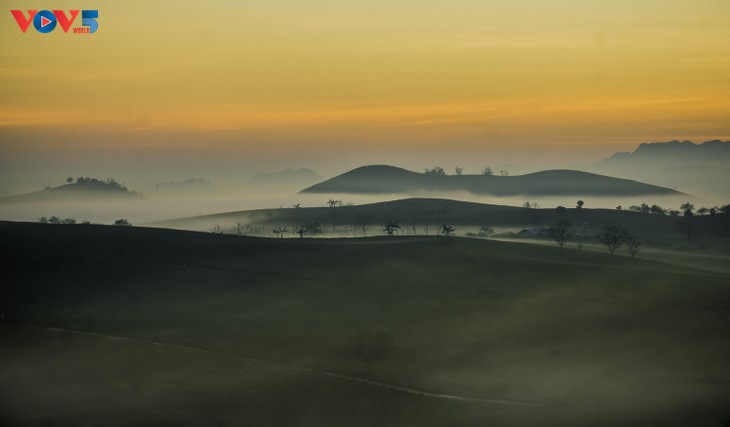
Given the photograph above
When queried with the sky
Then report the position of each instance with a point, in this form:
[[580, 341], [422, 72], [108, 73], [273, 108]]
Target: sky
[[173, 85]]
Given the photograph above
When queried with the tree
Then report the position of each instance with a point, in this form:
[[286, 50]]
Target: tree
[[579, 204], [446, 230], [561, 231], [279, 231], [372, 346], [703, 211], [657, 210], [619, 207], [216, 229], [363, 221], [334, 203], [686, 224], [391, 226], [458, 171], [487, 171], [504, 172], [436, 171], [613, 237], [311, 228], [632, 245], [239, 228], [560, 210], [69, 180], [122, 222], [43, 220], [297, 206]]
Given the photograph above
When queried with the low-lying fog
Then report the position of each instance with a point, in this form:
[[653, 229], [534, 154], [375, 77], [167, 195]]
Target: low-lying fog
[[161, 207]]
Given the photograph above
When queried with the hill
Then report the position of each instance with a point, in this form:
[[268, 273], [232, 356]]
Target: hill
[[381, 179], [147, 326], [694, 168], [287, 181], [426, 216], [84, 189]]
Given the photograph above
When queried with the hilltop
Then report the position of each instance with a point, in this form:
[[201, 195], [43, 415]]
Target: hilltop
[[383, 179], [82, 189]]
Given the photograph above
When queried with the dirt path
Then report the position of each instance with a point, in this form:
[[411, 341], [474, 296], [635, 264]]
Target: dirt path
[[313, 371]]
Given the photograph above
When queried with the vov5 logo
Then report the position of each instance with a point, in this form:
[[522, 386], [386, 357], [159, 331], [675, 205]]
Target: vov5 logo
[[46, 21]]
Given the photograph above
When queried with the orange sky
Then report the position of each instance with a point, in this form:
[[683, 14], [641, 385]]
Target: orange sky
[[471, 73]]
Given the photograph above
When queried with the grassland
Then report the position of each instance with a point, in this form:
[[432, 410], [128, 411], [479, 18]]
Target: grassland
[[236, 330]]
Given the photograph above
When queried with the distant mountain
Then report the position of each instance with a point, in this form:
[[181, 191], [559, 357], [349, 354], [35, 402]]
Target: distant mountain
[[188, 185], [284, 181], [694, 168], [83, 189], [674, 153], [382, 179]]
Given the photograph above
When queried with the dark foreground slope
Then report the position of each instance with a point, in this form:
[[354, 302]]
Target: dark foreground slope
[[215, 326], [393, 180]]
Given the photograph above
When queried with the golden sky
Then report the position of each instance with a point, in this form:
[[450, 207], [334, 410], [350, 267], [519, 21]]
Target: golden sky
[[470, 73]]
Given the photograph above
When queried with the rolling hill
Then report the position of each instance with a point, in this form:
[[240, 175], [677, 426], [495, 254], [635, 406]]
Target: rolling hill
[[381, 179], [123, 325], [91, 190]]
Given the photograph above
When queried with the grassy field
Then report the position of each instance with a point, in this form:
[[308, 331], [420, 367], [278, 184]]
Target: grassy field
[[426, 216], [221, 329]]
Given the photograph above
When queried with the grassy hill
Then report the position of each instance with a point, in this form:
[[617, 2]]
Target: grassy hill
[[191, 328], [84, 190], [425, 217], [381, 179]]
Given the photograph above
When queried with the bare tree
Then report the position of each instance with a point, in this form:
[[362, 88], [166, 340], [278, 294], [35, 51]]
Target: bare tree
[[363, 221], [216, 229], [297, 206], [279, 231], [613, 237], [487, 171], [239, 228], [633, 245], [504, 172], [458, 170], [561, 231], [372, 346], [437, 171], [446, 230], [391, 226]]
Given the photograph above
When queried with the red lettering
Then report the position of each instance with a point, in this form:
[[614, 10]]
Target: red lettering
[[24, 23], [65, 21]]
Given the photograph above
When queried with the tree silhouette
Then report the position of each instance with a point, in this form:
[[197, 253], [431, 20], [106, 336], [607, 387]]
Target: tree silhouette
[[504, 172], [561, 231], [613, 237], [279, 231], [446, 230], [69, 180], [391, 226], [487, 171], [633, 245], [216, 229], [579, 204], [372, 346], [436, 171], [239, 228], [122, 222], [458, 170]]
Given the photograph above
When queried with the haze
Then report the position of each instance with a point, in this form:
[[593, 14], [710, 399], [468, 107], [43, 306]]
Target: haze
[[170, 90]]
